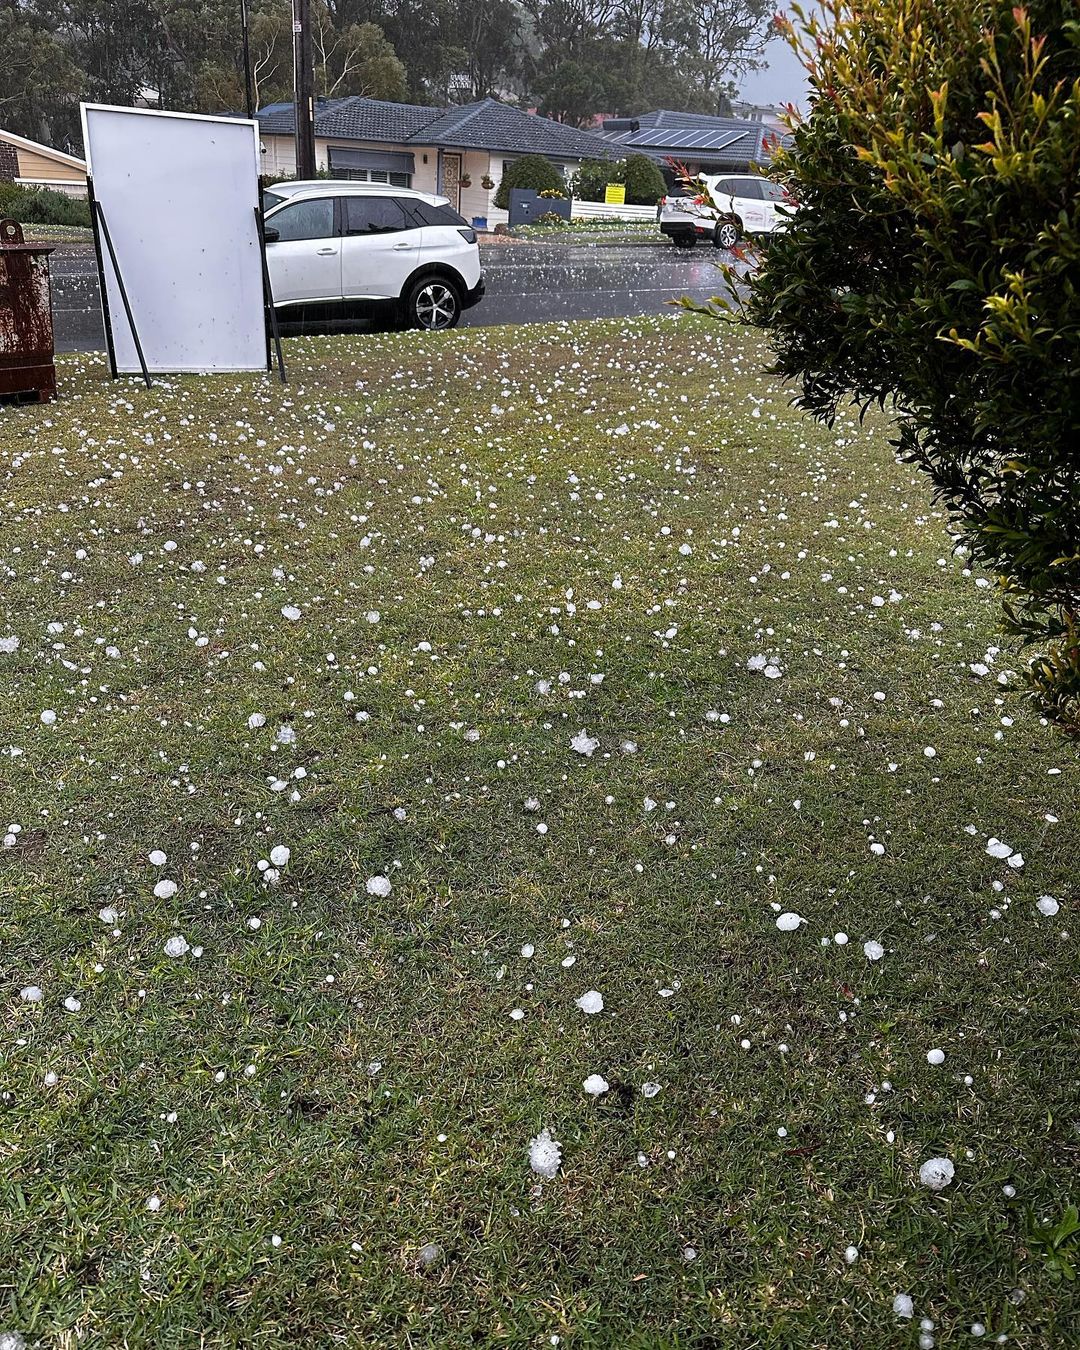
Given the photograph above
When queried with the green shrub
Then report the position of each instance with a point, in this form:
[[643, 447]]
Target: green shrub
[[644, 182], [530, 171], [934, 268], [41, 206]]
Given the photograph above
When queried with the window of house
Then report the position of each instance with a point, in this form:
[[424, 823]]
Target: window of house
[[373, 176]]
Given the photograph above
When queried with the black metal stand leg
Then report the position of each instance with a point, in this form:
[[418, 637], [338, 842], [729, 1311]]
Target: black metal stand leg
[[105, 314], [123, 291], [268, 298]]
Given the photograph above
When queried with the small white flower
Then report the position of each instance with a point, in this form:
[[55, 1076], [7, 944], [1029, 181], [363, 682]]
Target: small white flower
[[591, 1002], [936, 1173], [545, 1154], [379, 886]]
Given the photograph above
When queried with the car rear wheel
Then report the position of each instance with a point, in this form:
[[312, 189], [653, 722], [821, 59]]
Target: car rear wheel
[[726, 234], [433, 303]]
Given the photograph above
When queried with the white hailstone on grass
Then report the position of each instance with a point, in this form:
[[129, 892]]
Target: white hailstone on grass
[[935, 1057], [280, 855], [286, 735], [72, 1004], [153, 1204], [851, 1255], [290, 612], [12, 1340], [48, 717], [428, 1254], [545, 1154], [373, 616], [936, 1173], [528, 950], [841, 939], [157, 857], [590, 1002], [9, 645], [256, 720], [977, 1329], [379, 886], [51, 1079], [595, 1085], [165, 890], [997, 848], [517, 1014], [583, 743], [787, 923], [1047, 906], [929, 752], [877, 849], [650, 1090], [689, 1253], [873, 951], [903, 1306], [31, 994], [177, 946]]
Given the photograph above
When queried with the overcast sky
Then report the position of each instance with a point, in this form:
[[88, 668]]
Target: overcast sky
[[783, 81]]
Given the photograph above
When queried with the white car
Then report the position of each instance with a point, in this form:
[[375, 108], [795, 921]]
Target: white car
[[333, 247], [746, 204]]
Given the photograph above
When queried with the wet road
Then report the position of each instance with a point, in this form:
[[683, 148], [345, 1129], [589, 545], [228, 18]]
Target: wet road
[[526, 283]]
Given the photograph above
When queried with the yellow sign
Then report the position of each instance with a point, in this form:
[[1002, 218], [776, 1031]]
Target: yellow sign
[[615, 194]]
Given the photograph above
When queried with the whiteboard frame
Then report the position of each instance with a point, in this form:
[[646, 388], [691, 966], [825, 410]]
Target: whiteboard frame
[[169, 332]]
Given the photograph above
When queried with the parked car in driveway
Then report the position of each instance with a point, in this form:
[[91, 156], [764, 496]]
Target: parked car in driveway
[[746, 204], [336, 250]]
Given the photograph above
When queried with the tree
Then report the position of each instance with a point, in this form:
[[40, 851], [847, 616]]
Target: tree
[[933, 267], [530, 171], [38, 80], [355, 60]]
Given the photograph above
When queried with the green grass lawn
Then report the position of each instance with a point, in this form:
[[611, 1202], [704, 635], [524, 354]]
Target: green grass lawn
[[495, 539]]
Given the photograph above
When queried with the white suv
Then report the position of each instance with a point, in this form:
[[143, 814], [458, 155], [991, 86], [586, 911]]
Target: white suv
[[334, 246], [745, 204]]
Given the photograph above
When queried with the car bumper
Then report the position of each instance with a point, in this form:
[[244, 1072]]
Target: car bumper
[[474, 296], [675, 228]]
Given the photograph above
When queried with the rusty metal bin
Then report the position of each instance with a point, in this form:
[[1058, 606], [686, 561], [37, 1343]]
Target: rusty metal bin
[[27, 367]]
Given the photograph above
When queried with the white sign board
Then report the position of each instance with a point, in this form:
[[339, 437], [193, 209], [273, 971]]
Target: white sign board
[[179, 194]]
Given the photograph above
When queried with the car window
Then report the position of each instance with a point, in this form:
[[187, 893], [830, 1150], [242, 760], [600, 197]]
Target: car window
[[270, 199], [749, 188], [423, 213], [726, 187], [773, 191], [305, 220], [373, 215]]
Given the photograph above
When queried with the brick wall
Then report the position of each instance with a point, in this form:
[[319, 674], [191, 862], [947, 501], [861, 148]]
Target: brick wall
[[9, 163]]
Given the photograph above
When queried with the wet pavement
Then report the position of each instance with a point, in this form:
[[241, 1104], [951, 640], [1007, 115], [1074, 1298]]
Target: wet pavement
[[526, 283]]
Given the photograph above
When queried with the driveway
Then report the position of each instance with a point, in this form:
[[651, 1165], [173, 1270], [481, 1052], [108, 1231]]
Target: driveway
[[527, 283]]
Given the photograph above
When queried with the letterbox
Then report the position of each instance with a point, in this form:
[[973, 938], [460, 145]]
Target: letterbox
[[27, 368]]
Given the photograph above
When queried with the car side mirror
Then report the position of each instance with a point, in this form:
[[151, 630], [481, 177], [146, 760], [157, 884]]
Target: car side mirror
[[271, 235]]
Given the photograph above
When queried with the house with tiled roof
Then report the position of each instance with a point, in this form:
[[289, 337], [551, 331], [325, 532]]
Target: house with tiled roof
[[452, 151], [702, 143]]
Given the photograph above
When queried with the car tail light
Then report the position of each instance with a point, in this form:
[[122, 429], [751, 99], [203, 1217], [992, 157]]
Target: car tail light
[[468, 235]]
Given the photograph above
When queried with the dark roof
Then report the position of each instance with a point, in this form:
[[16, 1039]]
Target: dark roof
[[487, 125], [729, 141], [491, 125]]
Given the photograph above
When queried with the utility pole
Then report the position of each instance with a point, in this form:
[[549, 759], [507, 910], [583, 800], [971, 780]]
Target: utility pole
[[249, 92], [303, 89]]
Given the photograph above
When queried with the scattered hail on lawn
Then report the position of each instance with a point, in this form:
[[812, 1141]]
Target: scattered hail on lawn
[[512, 814]]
